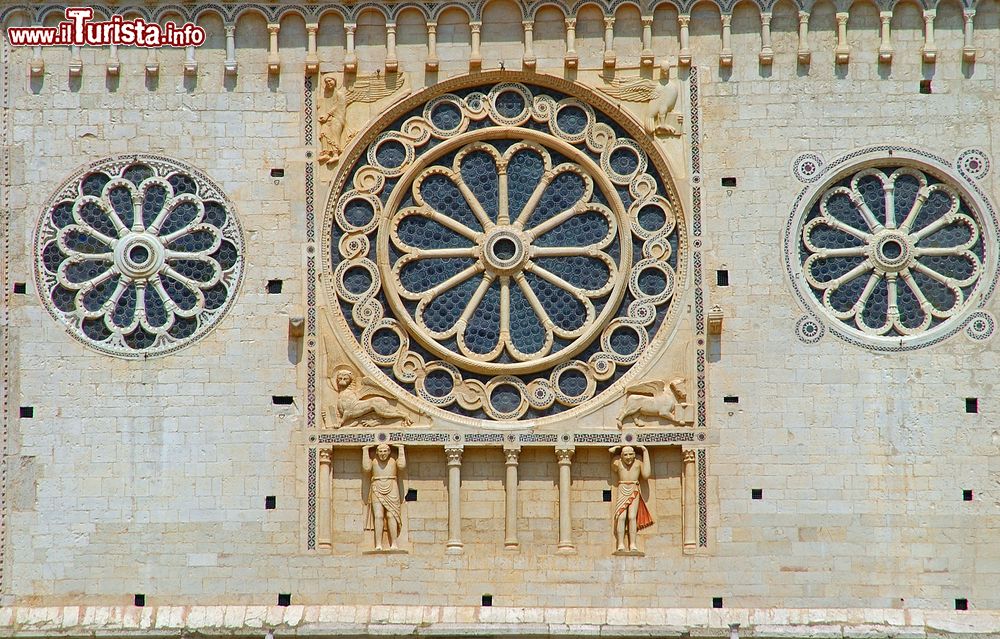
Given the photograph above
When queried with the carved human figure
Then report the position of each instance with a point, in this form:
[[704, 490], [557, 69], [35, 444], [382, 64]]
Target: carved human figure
[[655, 399], [384, 507], [332, 121], [631, 514], [358, 405]]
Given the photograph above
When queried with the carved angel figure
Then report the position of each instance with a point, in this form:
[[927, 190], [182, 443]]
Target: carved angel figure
[[656, 399], [333, 120], [363, 404], [660, 98]]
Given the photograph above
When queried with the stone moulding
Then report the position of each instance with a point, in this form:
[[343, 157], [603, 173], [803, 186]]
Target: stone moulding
[[454, 621]]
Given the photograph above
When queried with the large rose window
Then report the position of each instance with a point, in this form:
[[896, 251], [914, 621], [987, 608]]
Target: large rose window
[[506, 253], [893, 251], [138, 256]]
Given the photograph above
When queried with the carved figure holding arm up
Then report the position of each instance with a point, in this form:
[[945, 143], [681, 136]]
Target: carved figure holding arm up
[[332, 121], [631, 514], [385, 509]]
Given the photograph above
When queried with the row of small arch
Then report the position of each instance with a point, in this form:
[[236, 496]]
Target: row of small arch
[[474, 11]]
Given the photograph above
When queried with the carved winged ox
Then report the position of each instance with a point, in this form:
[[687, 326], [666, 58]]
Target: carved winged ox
[[655, 399]]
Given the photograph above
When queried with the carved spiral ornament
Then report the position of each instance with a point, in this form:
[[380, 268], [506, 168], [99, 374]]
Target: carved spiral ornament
[[895, 250], [138, 256], [503, 252]]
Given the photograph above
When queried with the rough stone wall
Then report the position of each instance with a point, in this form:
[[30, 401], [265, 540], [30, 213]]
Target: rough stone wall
[[150, 476]]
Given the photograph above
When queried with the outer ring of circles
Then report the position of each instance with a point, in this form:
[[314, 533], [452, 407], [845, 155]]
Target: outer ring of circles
[[162, 167], [471, 394], [906, 158]]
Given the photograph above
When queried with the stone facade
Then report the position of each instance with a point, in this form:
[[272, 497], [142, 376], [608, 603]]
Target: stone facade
[[270, 199]]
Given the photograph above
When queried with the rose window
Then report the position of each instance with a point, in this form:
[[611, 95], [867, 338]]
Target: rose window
[[138, 256], [504, 253], [892, 251]]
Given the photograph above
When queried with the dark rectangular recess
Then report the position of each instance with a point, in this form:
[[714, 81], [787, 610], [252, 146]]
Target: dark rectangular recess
[[966, 495], [270, 502], [27, 411], [729, 181], [284, 599], [961, 604], [972, 404], [716, 602], [487, 600], [731, 399], [139, 600], [277, 173], [282, 400], [722, 277], [20, 288], [606, 495], [756, 493], [411, 494], [274, 287], [925, 87]]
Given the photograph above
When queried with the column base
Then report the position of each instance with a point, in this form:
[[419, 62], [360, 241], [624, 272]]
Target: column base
[[566, 550], [455, 548], [512, 547]]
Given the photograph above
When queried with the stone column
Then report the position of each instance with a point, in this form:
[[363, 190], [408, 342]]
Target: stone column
[[969, 48], [476, 59], [273, 57], [726, 55], [647, 57], [930, 49], [114, 64], [510, 485], [432, 57], [571, 58], [454, 455], [565, 457], [766, 55], [391, 61], [350, 57], [529, 45], [312, 58], [609, 43], [843, 51], [804, 54], [231, 65], [885, 38], [689, 496], [324, 510], [684, 56]]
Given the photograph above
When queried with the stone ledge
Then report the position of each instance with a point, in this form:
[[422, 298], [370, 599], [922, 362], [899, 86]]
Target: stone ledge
[[346, 622]]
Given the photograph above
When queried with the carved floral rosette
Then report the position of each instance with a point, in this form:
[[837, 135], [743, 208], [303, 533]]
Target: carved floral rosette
[[502, 252]]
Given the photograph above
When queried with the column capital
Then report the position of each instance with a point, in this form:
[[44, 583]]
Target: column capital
[[803, 16], [689, 456], [230, 29], [454, 455], [727, 19], [609, 22], [565, 455], [475, 26], [684, 20], [929, 14], [350, 27], [390, 26], [325, 455], [885, 16], [432, 25], [273, 27], [570, 23], [842, 17], [765, 18], [969, 14], [647, 21], [512, 455], [312, 27], [528, 25]]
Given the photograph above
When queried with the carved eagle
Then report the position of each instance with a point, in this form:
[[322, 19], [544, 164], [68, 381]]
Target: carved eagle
[[630, 89]]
